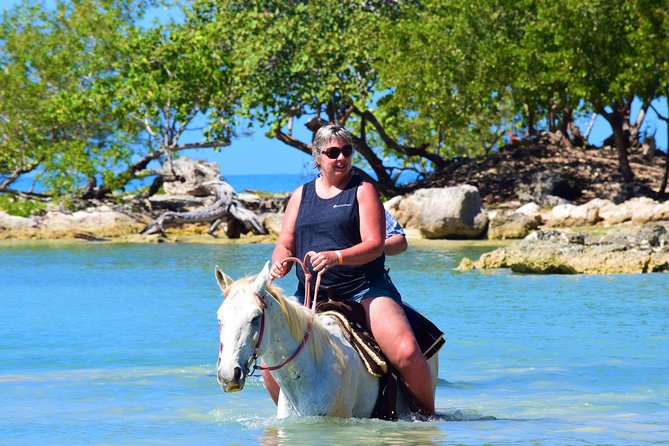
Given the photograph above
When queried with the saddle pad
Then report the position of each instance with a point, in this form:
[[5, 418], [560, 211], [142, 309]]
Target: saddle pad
[[365, 345]]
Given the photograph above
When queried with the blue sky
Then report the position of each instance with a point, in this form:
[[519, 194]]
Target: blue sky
[[257, 154]]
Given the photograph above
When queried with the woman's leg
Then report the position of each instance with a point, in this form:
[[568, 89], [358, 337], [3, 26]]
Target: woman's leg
[[389, 325], [270, 384]]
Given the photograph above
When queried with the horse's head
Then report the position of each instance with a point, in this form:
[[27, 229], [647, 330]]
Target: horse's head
[[240, 318]]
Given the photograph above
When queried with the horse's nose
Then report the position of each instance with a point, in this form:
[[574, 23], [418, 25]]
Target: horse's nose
[[231, 382]]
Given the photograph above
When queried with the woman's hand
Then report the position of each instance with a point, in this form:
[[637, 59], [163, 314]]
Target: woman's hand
[[279, 269], [321, 261]]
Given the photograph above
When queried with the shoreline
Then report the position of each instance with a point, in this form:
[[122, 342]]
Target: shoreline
[[190, 238]]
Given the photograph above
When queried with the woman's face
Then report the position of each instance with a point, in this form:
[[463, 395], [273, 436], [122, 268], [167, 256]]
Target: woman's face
[[335, 158]]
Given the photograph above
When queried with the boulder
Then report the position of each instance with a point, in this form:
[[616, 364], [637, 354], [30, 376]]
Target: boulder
[[14, 223], [448, 212], [190, 177], [514, 225], [103, 221], [638, 210], [272, 222], [530, 209], [646, 211], [566, 215], [393, 204]]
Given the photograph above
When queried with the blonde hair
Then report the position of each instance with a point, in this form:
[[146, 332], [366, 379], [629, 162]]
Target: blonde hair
[[324, 136]]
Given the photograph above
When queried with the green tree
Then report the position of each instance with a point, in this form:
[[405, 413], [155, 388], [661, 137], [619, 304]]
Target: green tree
[[91, 101], [296, 59], [447, 67], [172, 82], [53, 120], [590, 52]]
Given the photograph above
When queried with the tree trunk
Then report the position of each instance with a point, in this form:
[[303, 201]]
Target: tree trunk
[[529, 112], [623, 160], [663, 187], [616, 120], [635, 130], [665, 177]]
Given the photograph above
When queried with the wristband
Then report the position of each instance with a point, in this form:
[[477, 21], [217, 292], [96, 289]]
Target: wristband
[[340, 258]]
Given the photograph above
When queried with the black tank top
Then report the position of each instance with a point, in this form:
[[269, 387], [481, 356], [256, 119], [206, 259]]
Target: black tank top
[[328, 225]]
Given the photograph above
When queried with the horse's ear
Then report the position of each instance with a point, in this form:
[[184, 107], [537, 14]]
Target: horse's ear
[[224, 281], [262, 279]]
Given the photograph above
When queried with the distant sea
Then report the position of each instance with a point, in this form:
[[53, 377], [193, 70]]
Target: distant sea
[[273, 183]]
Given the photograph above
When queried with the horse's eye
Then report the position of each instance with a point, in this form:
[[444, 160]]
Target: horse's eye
[[256, 320]]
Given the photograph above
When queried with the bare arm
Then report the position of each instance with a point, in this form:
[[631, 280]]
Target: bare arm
[[395, 244]]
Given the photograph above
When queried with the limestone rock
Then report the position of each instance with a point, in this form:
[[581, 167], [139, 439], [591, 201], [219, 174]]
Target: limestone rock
[[100, 221], [272, 222], [189, 177], [565, 215], [15, 223], [639, 250], [449, 212], [513, 225], [532, 210]]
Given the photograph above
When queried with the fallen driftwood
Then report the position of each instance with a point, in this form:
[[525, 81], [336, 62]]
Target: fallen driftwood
[[227, 209]]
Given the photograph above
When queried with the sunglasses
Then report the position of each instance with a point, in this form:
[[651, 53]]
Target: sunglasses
[[333, 152]]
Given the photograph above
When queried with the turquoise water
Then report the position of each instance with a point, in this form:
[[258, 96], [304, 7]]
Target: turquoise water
[[117, 344]]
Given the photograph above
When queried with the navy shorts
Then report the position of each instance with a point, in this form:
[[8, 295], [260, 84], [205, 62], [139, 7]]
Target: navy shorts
[[381, 287]]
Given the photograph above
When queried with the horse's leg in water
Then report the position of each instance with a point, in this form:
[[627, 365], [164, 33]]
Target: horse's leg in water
[[389, 325], [283, 408]]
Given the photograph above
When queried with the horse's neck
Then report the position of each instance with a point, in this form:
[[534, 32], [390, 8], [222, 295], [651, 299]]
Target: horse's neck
[[280, 344]]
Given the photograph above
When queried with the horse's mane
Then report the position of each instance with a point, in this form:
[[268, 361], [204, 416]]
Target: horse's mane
[[297, 316]]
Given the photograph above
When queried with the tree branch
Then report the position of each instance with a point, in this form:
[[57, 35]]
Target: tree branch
[[293, 142], [16, 174], [419, 151], [201, 145]]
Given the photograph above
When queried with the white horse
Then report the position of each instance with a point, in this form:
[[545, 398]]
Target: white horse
[[325, 378]]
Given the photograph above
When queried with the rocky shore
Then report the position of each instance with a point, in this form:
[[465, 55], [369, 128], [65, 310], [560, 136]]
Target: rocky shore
[[621, 251], [598, 237], [556, 202]]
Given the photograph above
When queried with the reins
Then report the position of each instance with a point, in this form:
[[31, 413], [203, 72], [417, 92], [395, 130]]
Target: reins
[[307, 303]]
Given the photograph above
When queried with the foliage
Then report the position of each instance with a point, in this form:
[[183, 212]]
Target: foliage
[[89, 98], [54, 118], [172, 76], [19, 206], [92, 100], [447, 68]]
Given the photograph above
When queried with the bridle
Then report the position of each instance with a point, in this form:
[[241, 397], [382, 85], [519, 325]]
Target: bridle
[[307, 331]]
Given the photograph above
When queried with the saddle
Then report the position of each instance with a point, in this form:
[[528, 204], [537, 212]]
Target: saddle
[[351, 318]]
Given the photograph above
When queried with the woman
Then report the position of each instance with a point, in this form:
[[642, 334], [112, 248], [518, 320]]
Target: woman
[[339, 220]]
